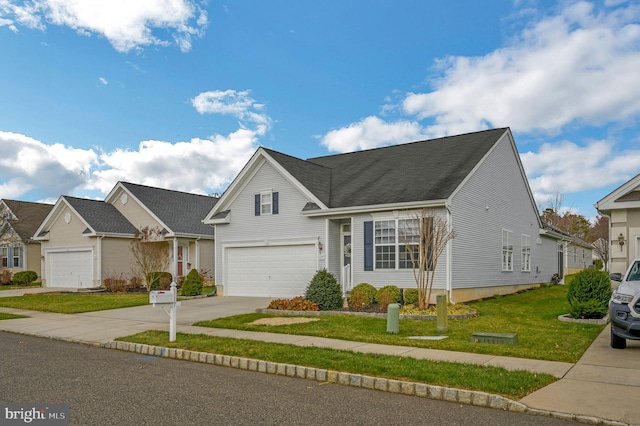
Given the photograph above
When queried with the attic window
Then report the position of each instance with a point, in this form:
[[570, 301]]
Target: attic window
[[266, 203]]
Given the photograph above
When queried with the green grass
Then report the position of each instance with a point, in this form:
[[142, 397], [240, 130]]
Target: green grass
[[532, 314], [496, 380], [74, 303], [4, 316]]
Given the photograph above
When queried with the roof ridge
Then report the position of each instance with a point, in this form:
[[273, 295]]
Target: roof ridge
[[402, 144], [165, 189]]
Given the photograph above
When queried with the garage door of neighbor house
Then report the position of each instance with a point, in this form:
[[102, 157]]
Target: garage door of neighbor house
[[274, 271], [70, 269]]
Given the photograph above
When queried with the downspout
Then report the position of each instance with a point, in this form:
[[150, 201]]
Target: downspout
[[99, 260], [197, 254], [449, 285]]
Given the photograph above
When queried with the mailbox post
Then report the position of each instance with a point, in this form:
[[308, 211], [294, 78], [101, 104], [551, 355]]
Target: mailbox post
[[164, 298]]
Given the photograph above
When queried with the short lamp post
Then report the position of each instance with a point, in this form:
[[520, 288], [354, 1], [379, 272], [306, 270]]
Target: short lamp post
[[621, 241]]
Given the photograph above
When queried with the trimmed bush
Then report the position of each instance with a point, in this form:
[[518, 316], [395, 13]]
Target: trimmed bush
[[589, 294], [387, 295], [24, 278], [324, 290], [410, 296], [296, 304], [597, 263], [362, 296], [192, 285], [160, 280]]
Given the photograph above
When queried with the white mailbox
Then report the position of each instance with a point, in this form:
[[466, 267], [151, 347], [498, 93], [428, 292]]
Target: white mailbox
[[162, 296]]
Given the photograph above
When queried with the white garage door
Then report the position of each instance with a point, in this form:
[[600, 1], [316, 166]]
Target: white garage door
[[275, 271], [70, 269]]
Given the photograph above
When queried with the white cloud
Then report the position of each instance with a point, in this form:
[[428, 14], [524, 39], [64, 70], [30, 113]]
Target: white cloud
[[126, 24], [579, 66], [103, 81], [571, 168], [371, 132], [234, 103], [198, 166], [52, 169], [195, 166]]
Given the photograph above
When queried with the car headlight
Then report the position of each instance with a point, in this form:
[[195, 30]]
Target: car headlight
[[621, 298]]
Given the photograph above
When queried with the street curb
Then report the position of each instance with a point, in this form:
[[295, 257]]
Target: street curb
[[423, 390]]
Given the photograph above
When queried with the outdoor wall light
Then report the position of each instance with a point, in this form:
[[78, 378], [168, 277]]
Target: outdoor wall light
[[320, 246], [621, 241]]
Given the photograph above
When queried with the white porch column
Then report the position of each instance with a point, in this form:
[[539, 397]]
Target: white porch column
[[174, 271]]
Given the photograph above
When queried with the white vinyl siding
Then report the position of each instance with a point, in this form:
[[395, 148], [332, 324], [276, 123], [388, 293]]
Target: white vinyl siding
[[507, 250], [525, 260]]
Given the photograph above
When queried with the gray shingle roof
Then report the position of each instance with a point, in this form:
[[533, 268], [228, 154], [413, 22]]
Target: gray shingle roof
[[417, 171], [181, 212], [30, 216], [102, 217]]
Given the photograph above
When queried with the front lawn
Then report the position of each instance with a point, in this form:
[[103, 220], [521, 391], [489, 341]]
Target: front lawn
[[532, 314], [496, 380], [74, 303]]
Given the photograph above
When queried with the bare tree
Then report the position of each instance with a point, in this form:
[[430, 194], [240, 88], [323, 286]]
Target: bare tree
[[599, 236], [150, 253], [425, 236]]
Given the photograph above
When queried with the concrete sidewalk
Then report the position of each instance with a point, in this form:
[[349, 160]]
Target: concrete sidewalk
[[603, 385]]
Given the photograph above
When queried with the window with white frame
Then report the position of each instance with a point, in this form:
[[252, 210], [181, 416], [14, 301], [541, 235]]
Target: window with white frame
[[395, 240], [526, 253], [266, 202], [507, 250]]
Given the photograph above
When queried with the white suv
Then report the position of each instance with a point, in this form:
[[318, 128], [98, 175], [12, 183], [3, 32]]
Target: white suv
[[624, 307]]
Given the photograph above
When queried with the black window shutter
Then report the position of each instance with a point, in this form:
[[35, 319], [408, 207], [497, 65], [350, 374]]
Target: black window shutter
[[257, 204], [368, 246], [274, 200]]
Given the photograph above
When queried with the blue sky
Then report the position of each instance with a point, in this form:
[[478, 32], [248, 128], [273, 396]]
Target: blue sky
[[179, 94]]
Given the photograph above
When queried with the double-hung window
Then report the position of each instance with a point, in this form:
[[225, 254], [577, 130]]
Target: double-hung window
[[4, 257], [507, 250], [396, 242], [526, 253], [266, 203]]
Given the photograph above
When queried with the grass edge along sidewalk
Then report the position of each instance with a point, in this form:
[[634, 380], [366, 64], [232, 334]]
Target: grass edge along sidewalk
[[495, 380]]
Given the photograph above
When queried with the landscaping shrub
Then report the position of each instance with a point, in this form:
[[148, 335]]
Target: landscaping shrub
[[160, 280], [359, 301], [24, 278], [115, 284], [410, 296], [589, 294], [363, 296], [5, 277], [192, 285], [324, 290], [296, 304], [387, 295]]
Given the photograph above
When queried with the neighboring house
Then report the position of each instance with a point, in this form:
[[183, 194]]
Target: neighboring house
[[622, 207], [579, 255], [85, 241], [284, 218], [18, 222]]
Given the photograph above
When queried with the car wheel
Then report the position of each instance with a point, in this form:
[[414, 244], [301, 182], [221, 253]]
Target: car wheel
[[618, 342]]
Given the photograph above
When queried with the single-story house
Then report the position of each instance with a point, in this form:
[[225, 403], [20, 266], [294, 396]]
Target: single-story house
[[18, 222], [85, 241], [283, 218], [622, 207]]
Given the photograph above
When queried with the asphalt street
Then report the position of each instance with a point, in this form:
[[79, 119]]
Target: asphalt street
[[107, 387]]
